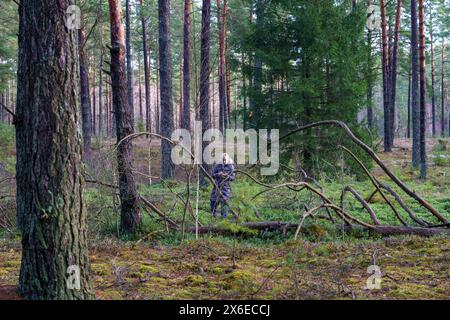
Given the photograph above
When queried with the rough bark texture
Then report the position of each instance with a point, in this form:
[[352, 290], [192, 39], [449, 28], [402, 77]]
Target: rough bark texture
[[204, 72], [423, 152], [165, 78], [415, 86], [186, 110], [51, 211], [85, 96], [130, 214]]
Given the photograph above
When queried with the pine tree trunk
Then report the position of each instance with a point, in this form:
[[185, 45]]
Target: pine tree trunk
[[51, 210], [165, 76], [433, 97], [85, 95], [129, 60], [186, 114], [204, 73], [223, 108], [94, 102], [408, 125], [385, 73], [443, 92], [415, 109], [130, 214], [100, 96], [423, 154], [148, 116], [393, 77], [141, 111]]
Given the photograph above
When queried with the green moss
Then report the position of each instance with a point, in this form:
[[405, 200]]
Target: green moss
[[194, 280], [148, 269], [101, 269], [240, 280]]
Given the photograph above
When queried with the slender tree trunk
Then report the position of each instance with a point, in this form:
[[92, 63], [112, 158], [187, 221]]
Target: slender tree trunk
[[393, 77], [165, 76], [370, 76], [223, 108], [186, 114], [51, 211], [415, 86], [130, 214], [204, 73], [423, 153], [385, 71], [148, 122], [94, 102], [443, 91], [85, 96], [408, 126], [100, 96], [433, 97], [257, 73], [141, 111], [244, 92], [129, 60]]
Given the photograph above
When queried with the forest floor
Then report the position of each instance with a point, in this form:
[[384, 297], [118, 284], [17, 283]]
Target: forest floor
[[323, 263]]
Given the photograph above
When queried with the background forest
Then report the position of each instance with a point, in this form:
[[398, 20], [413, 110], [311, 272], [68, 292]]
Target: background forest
[[358, 90]]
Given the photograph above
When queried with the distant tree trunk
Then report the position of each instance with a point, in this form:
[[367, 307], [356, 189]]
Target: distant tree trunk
[[257, 72], [148, 121], [85, 95], [107, 110], [244, 92], [433, 97], [186, 114], [443, 92], [204, 73], [129, 60], [223, 108], [1, 108], [393, 76], [165, 76], [51, 211], [100, 96], [369, 99], [94, 102], [408, 126], [130, 214], [385, 73], [415, 86], [141, 111], [423, 153]]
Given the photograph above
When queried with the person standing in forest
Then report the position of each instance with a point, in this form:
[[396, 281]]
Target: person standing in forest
[[223, 174]]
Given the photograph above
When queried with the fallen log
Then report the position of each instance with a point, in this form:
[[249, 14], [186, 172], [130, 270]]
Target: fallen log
[[286, 226]]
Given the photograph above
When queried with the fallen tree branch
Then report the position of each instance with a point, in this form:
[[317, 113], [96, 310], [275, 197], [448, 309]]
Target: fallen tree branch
[[361, 201], [283, 226], [372, 154]]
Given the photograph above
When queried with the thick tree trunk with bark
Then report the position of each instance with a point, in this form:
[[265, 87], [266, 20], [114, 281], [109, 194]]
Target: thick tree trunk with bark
[[130, 214], [186, 109], [85, 95], [415, 86], [51, 211], [165, 76], [423, 152]]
